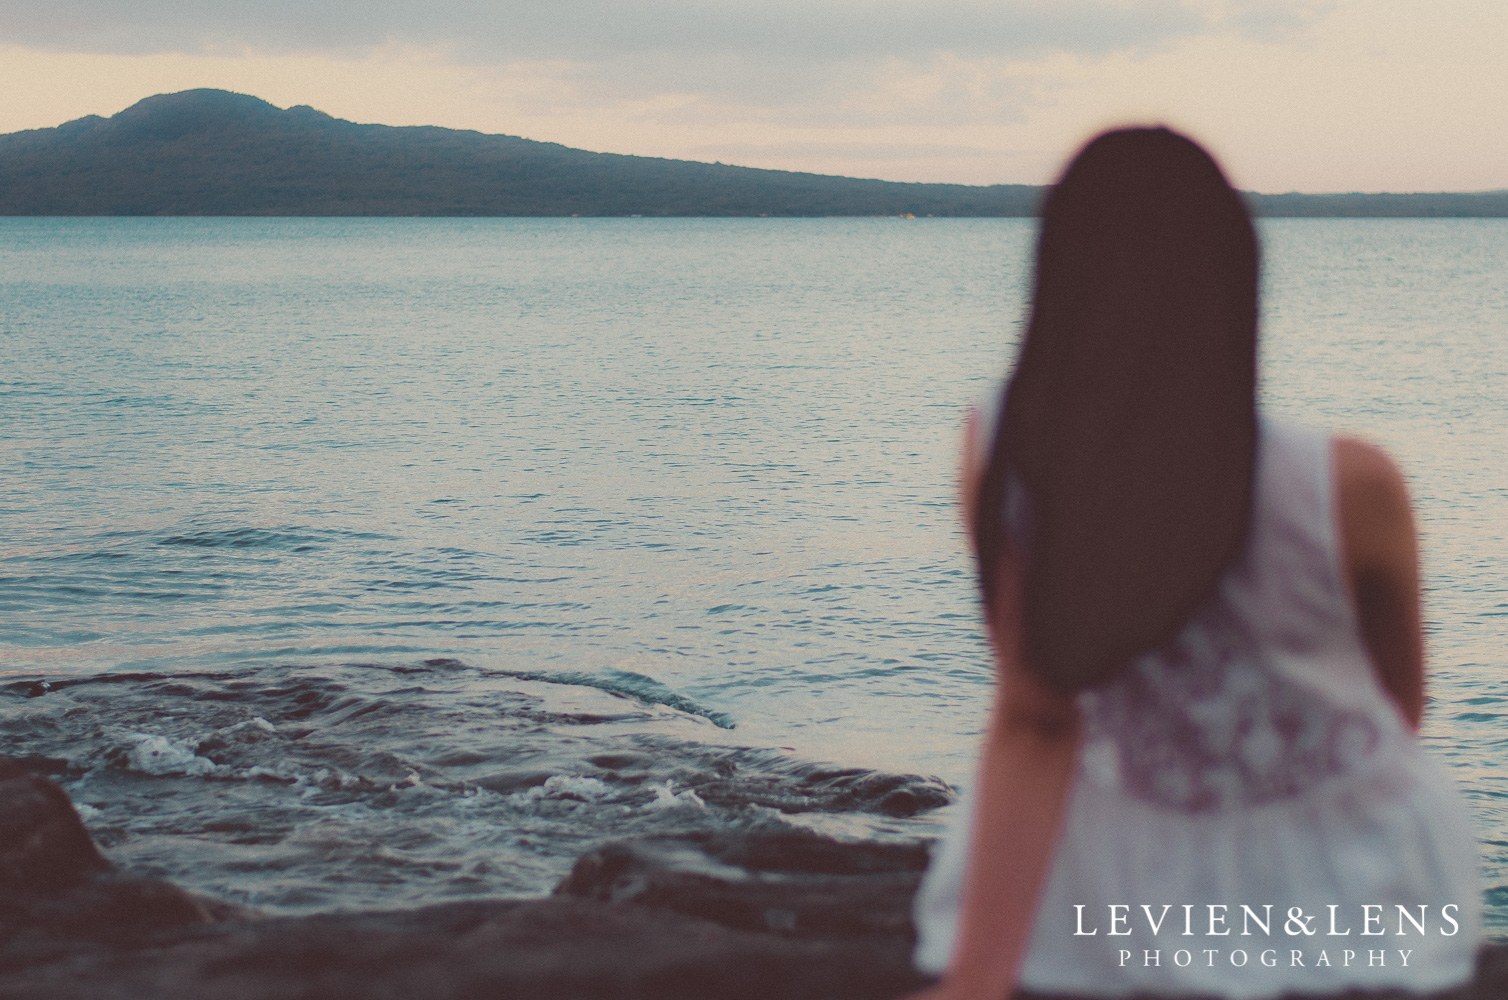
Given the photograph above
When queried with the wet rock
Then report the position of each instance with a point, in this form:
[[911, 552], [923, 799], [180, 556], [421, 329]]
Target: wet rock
[[558, 947], [787, 915], [44, 847], [56, 885], [794, 884]]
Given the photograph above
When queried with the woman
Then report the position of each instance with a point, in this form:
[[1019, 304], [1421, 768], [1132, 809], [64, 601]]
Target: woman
[[1200, 774]]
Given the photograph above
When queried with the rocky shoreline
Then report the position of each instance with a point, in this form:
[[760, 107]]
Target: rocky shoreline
[[773, 916]]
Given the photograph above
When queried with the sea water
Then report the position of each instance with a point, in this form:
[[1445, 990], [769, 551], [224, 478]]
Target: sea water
[[379, 562]]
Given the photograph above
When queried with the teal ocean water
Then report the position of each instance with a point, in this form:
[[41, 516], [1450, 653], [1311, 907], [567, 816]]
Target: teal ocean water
[[371, 562]]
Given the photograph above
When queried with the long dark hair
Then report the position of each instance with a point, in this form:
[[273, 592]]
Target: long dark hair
[[1130, 421]]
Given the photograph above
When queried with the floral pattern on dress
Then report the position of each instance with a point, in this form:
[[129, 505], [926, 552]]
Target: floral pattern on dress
[[1206, 724]]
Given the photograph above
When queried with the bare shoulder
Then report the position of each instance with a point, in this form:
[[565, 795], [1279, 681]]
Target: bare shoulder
[[1372, 498], [1362, 466], [1380, 554]]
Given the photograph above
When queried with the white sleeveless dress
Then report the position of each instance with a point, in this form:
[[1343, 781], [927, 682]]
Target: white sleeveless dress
[[1255, 760]]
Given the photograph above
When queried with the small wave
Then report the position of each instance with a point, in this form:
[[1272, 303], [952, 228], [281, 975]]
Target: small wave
[[304, 787], [241, 538], [288, 537], [666, 797], [568, 786], [627, 684], [160, 755]]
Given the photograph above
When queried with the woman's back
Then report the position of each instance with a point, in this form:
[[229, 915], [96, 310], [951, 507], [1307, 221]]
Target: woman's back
[[1253, 763], [1191, 781]]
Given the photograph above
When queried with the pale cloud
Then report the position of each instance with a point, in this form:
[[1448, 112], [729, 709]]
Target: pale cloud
[[788, 60], [1274, 22], [786, 31]]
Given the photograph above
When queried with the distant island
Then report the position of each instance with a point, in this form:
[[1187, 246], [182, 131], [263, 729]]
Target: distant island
[[211, 152]]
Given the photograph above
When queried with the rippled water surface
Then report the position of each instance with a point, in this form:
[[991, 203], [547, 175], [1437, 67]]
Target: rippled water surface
[[353, 562]]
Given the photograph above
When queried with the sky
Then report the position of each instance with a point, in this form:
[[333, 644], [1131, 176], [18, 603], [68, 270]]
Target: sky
[[1306, 95]]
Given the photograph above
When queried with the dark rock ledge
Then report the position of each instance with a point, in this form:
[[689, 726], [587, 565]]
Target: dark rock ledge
[[773, 917]]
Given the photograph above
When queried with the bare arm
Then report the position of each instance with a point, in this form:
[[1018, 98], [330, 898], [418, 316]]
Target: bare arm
[[1025, 774], [1380, 557]]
